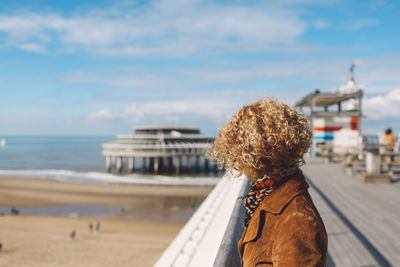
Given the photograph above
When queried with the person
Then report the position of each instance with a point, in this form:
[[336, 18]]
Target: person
[[72, 234], [389, 139], [266, 141], [90, 227], [97, 226], [14, 211]]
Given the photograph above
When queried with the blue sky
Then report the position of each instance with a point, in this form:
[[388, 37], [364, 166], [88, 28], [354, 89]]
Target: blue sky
[[103, 67]]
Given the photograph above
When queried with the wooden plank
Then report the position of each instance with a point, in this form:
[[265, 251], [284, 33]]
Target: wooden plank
[[344, 248], [373, 209]]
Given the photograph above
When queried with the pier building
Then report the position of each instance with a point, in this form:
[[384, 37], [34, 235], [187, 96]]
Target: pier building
[[160, 148], [336, 118]]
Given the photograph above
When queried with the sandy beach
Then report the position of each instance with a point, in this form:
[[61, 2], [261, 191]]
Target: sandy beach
[[134, 235]]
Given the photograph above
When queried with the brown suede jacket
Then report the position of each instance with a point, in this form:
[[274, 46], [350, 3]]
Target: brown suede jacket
[[285, 230]]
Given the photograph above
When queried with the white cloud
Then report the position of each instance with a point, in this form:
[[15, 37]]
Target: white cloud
[[126, 81], [32, 47], [204, 109], [357, 24], [168, 109], [384, 106], [320, 24], [102, 114], [161, 28]]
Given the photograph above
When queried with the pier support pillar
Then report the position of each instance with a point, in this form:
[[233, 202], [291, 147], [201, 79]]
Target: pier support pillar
[[123, 162], [170, 164], [143, 164], [206, 165], [156, 165], [188, 165], [108, 163], [118, 164], [161, 164], [131, 164], [151, 164], [197, 163], [178, 165]]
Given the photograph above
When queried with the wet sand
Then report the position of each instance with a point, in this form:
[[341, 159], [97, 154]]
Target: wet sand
[[152, 217]]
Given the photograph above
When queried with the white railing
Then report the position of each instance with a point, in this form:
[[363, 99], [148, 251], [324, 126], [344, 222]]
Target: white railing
[[156, 146], [211, 234], [155, 150], [165, 136]]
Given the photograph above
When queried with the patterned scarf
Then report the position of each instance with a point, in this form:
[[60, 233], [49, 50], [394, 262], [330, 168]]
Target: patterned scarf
[[264, 186]]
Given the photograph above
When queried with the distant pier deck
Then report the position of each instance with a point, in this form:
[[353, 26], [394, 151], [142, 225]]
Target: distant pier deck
[[362, 221]]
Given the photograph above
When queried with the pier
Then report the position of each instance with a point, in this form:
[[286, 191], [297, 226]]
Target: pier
[[362, 221], [160, 148]]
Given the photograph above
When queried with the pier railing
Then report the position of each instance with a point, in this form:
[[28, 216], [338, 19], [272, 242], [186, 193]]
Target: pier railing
[[373, 161], [155, 150], [210, 237]]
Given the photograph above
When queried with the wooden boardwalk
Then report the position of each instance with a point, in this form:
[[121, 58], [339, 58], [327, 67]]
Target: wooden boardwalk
[[362, 220]]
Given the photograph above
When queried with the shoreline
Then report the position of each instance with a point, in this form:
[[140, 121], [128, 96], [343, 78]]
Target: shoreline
[[92, 177], [37, 192], [158, 212]]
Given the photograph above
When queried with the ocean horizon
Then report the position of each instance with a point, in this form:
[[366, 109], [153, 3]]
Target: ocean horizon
[[74, 159]]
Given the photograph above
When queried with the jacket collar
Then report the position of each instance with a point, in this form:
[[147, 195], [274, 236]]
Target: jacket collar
[[277, 201]]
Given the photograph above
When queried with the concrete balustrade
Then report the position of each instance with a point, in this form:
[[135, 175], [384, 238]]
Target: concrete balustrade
[[210, 237]]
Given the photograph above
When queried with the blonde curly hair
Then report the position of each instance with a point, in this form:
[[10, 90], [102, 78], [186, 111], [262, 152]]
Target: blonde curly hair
[[263, 137]]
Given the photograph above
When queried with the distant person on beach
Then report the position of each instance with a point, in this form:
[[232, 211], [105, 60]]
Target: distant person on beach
[[1, 246], [390, 139], [72, 234], [266, 141], [14, 211], [91, 227], [97, 226]]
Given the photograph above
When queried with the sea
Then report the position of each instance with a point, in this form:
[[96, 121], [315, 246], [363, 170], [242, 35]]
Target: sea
[[75, 159]]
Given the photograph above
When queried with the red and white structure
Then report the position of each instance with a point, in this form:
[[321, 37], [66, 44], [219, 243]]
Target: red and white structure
[[335, 117]]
